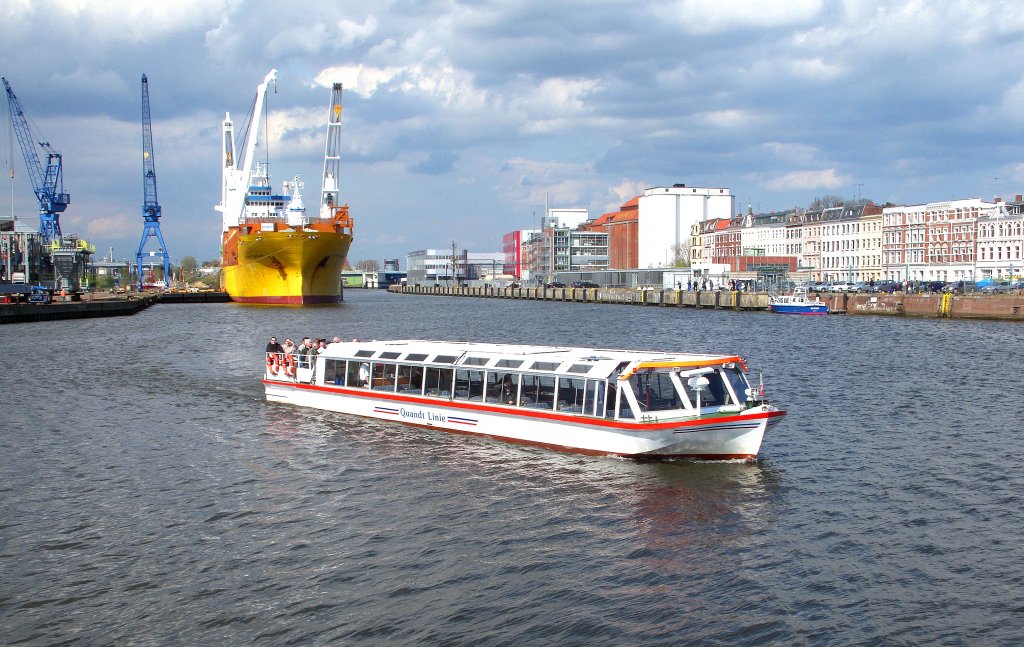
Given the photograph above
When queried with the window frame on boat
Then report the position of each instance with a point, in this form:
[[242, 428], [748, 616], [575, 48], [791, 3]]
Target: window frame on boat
[[605, 396]]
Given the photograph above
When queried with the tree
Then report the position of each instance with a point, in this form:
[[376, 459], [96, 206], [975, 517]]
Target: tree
[[367, 265], [188, 267], [826, 202], [680, 255]]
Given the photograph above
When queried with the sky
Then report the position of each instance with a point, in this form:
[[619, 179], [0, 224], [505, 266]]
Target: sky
[[463, 119]]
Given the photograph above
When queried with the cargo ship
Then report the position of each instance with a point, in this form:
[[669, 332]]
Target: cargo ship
[[272, 251]]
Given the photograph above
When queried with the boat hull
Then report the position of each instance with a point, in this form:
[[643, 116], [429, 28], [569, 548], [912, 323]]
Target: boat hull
[[734, 436], [799, 309], [292, 267]]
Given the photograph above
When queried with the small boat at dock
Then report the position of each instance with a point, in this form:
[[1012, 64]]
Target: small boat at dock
[[591, 401], [797, 303]]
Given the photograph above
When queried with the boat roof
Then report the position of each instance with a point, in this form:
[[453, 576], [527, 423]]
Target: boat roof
[[520, 357]]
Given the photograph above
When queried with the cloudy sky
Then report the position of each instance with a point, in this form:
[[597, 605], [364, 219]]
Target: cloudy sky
[[462, 117]]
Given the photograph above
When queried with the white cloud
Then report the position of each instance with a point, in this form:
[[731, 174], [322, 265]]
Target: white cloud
[[350, 33], [117, 20], [709, 16], [793, 153], [809, 180], [362, 79], [730, 118], [814, 69], [112, 226]]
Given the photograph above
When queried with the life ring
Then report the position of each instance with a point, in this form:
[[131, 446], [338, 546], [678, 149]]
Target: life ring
[[272, 364], [289, 365]]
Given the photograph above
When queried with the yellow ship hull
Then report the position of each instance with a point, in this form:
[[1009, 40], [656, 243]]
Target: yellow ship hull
[[291, 267]]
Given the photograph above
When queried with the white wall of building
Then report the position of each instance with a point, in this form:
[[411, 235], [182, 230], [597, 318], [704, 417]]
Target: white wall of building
[[567, 218], [667, 214]]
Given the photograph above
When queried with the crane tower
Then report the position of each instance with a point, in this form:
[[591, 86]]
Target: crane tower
[[150, 206], [47, 184]]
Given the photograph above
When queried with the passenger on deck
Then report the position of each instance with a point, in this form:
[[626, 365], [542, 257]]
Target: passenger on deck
[[274, 347]]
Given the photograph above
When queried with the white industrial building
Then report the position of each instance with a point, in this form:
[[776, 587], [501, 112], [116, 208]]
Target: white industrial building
[[667, 215]]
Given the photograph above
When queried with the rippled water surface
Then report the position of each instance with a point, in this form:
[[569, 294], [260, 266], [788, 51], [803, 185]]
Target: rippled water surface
[[150, 496]]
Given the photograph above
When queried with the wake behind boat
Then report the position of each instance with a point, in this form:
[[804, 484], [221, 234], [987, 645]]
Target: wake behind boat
[[591, 401], [798, 303]]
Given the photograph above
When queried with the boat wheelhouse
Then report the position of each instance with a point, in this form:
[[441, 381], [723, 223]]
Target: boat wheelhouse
[[591, 401]]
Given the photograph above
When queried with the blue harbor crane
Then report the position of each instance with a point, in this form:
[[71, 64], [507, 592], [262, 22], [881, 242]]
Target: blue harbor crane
[[150, 206], [49, 184]]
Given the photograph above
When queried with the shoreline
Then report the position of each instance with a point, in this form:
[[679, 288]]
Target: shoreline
[[1005, 307]]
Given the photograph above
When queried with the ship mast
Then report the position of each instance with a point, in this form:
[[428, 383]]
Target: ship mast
[[332, 160]]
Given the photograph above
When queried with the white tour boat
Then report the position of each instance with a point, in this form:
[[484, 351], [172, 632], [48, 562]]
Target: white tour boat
[[585, 400]]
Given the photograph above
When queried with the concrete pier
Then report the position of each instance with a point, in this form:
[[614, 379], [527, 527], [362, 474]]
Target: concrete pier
[[1007, 307], [101, 306]]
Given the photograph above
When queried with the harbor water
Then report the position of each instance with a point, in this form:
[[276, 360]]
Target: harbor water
[[150, 496]]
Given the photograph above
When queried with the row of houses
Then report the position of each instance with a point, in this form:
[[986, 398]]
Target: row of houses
[[698, 228]]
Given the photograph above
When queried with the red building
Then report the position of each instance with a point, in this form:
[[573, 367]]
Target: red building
[[622, 227]]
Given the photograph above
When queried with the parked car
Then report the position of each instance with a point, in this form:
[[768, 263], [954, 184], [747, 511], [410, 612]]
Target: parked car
[[841, 286], [863, 287], [40, 295], [584, 284], [888, 286], [996, 288], [554, 284], [817, 286]]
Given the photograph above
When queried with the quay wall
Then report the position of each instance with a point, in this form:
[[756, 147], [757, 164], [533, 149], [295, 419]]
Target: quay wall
[[1008, 307], [108, 306], [29, 312]]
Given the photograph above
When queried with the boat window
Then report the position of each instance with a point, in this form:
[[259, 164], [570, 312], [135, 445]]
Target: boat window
[[334, 372], [469, 384], [595, 397], [654, 391], [571, 394], [383, 377], [738, 381], [620, 400], [364, 353], [579, 368], [446, 359], [545, 366], [538, 391], [713, 395], [509, 363], [410, 378], [357, 373], [438, 382], [415, 357], [476, 361], [389, 355], [501, 387], [718, 389]]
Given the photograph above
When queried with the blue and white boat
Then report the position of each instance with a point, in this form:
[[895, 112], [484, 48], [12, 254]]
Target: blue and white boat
[[798, 303]]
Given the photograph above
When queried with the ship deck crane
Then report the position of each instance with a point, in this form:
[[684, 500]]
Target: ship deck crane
[[47, 184], [150, 206]]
